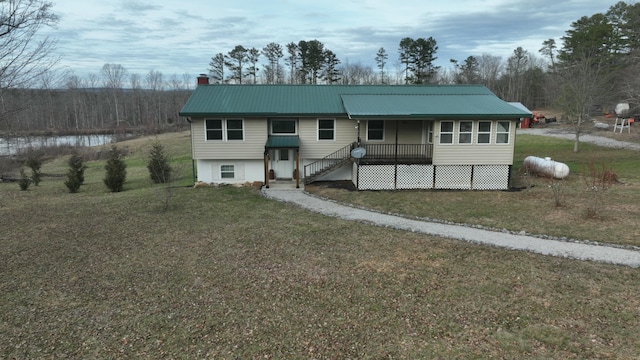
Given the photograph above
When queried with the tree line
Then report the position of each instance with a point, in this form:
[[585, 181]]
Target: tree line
[[114, 98]]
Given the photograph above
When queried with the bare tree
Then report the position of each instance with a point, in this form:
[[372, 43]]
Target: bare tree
[[584, 82], [490, 68], [113, 76], [273, 71], [293, 60], [23, 57], [155, 83]]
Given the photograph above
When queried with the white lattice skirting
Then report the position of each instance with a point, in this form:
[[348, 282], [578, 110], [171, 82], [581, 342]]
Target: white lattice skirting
[[463, 177]]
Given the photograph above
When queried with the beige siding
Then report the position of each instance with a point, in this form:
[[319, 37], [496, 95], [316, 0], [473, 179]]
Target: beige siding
[[252, 147], [473, 154], [312, 148], [409, 132]]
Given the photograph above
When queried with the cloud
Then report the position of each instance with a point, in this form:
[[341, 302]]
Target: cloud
[[177, 37]]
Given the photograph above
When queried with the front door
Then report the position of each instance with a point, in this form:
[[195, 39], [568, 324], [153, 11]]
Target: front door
[[283, 163]]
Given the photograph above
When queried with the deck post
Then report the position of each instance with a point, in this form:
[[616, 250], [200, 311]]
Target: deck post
[[266, 169], [298, 168]]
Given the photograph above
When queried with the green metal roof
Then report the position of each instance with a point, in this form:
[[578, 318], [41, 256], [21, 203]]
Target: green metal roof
[[342, 100], [430, 106], [283, 142]]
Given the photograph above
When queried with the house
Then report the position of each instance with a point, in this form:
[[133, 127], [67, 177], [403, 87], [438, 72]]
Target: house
[[377, 136]]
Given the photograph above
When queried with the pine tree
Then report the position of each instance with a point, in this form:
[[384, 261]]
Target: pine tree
[[34, 162], [75, 175], [24, 181], [116, 170], [159, 168]]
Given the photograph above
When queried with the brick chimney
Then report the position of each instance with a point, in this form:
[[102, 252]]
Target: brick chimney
[[203, 79]]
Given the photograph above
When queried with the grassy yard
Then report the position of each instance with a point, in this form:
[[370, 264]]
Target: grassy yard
[[567, 208], [225, 273]]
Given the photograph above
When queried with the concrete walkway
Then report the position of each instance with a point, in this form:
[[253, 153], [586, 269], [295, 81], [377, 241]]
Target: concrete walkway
[[566, 249]]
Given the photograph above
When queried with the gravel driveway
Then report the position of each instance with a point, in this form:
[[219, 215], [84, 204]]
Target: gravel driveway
[[567, 249], [592, 138], [583, 250]]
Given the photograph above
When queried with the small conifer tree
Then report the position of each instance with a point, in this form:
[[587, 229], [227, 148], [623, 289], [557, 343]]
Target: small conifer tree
[[34, 162], [158, 165], [24, 181], [75, 175], [116, 170]]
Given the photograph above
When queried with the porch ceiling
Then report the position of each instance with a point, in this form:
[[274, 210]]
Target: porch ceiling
[[430, 106]]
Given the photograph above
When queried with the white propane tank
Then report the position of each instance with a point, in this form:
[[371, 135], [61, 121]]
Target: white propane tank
[[546, 167]]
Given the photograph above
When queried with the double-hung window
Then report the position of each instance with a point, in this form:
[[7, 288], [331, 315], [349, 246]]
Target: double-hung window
[[214, 129], [375, 130], [234, 129], [326, 129], [227, 171], [484, 132], [220, 129], [446, 132], [502, 132], [465, 132]]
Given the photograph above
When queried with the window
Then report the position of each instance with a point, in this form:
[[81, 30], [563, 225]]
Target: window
[[234, 129], [227, 171], [430, 132], [375, 130], [218, 129], [446, 132], [214, 129], [484, 132], [326, 129], [465, 132], [502, 132], [283, 127]]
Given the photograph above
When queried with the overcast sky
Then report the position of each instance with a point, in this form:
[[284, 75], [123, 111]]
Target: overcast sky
[[180, 37]]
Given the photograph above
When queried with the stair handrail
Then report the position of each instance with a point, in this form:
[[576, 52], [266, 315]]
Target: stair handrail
[[328, 161]]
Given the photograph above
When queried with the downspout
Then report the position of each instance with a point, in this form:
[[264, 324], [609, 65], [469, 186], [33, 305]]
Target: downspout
[[193, 162], [266, 167], [298, 168]]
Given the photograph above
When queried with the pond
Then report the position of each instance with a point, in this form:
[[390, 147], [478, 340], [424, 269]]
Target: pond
[[12, 145]]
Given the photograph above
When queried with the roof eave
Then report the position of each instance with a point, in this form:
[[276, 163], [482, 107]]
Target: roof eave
[[260, 114]]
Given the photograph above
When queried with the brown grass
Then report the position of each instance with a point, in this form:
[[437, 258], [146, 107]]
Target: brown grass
[[225, 273]]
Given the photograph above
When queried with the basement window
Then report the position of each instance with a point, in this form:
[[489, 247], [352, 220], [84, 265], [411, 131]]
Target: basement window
[[227, 172]]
